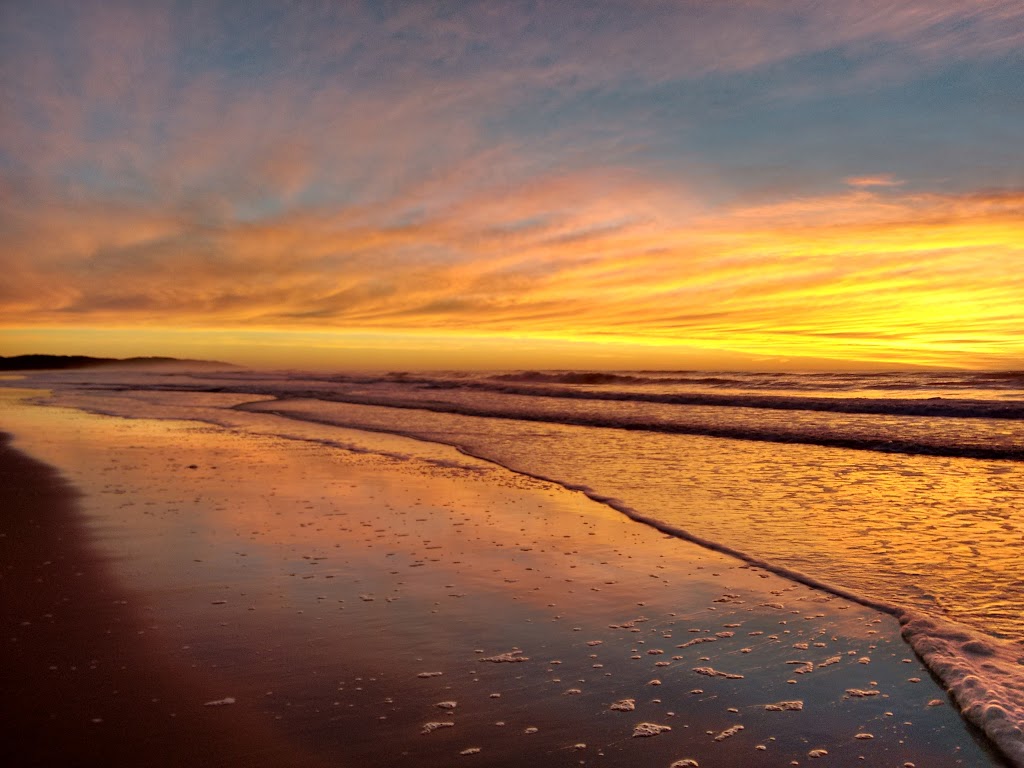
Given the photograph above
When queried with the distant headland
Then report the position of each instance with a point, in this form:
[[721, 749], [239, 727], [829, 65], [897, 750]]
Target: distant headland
[[66, 362]]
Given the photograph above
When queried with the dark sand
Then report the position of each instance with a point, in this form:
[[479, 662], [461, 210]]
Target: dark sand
[[323, 590]]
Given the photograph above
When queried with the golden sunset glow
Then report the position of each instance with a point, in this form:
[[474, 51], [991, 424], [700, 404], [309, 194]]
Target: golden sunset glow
[[459, 196]]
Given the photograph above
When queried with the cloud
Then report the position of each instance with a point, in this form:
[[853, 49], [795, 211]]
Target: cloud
[[482, 166], [880, 180], [856, 266]]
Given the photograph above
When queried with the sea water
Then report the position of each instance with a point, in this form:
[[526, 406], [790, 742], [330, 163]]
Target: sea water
[[903, 490]]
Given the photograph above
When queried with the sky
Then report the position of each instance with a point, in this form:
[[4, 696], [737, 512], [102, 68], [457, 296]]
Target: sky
[[737, 184]]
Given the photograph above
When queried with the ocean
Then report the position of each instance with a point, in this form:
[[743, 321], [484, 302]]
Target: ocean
[[904, 491]]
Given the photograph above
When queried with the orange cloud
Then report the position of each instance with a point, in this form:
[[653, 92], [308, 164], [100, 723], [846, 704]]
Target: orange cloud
[[924, 276], [881, 180]]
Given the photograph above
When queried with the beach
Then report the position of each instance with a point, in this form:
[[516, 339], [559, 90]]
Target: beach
[[544, 384], [182, 590]]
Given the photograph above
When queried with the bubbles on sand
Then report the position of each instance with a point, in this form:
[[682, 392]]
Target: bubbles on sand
[[431, 727], [510, 656], [649, 729], [729, 732], [785, 706], [710, 672], [220, 702]]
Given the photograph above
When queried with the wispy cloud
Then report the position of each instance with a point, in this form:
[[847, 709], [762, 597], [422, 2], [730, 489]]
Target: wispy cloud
[[881, 180]]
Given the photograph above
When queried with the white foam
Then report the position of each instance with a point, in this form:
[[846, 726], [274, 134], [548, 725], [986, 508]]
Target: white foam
[[430, 727], [220, 702], [710, 672], [860, 693], [697, 641], [649, 729], [785, 706], [984, 675], [729, 732], [509, 657]]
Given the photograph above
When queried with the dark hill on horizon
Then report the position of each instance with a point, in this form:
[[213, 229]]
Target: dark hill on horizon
[[70, 362]]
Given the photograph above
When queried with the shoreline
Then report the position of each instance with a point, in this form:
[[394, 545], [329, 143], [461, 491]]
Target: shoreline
[[504, 565]]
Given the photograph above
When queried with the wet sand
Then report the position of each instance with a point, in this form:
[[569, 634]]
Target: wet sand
[[416, 608], [84, 681]]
